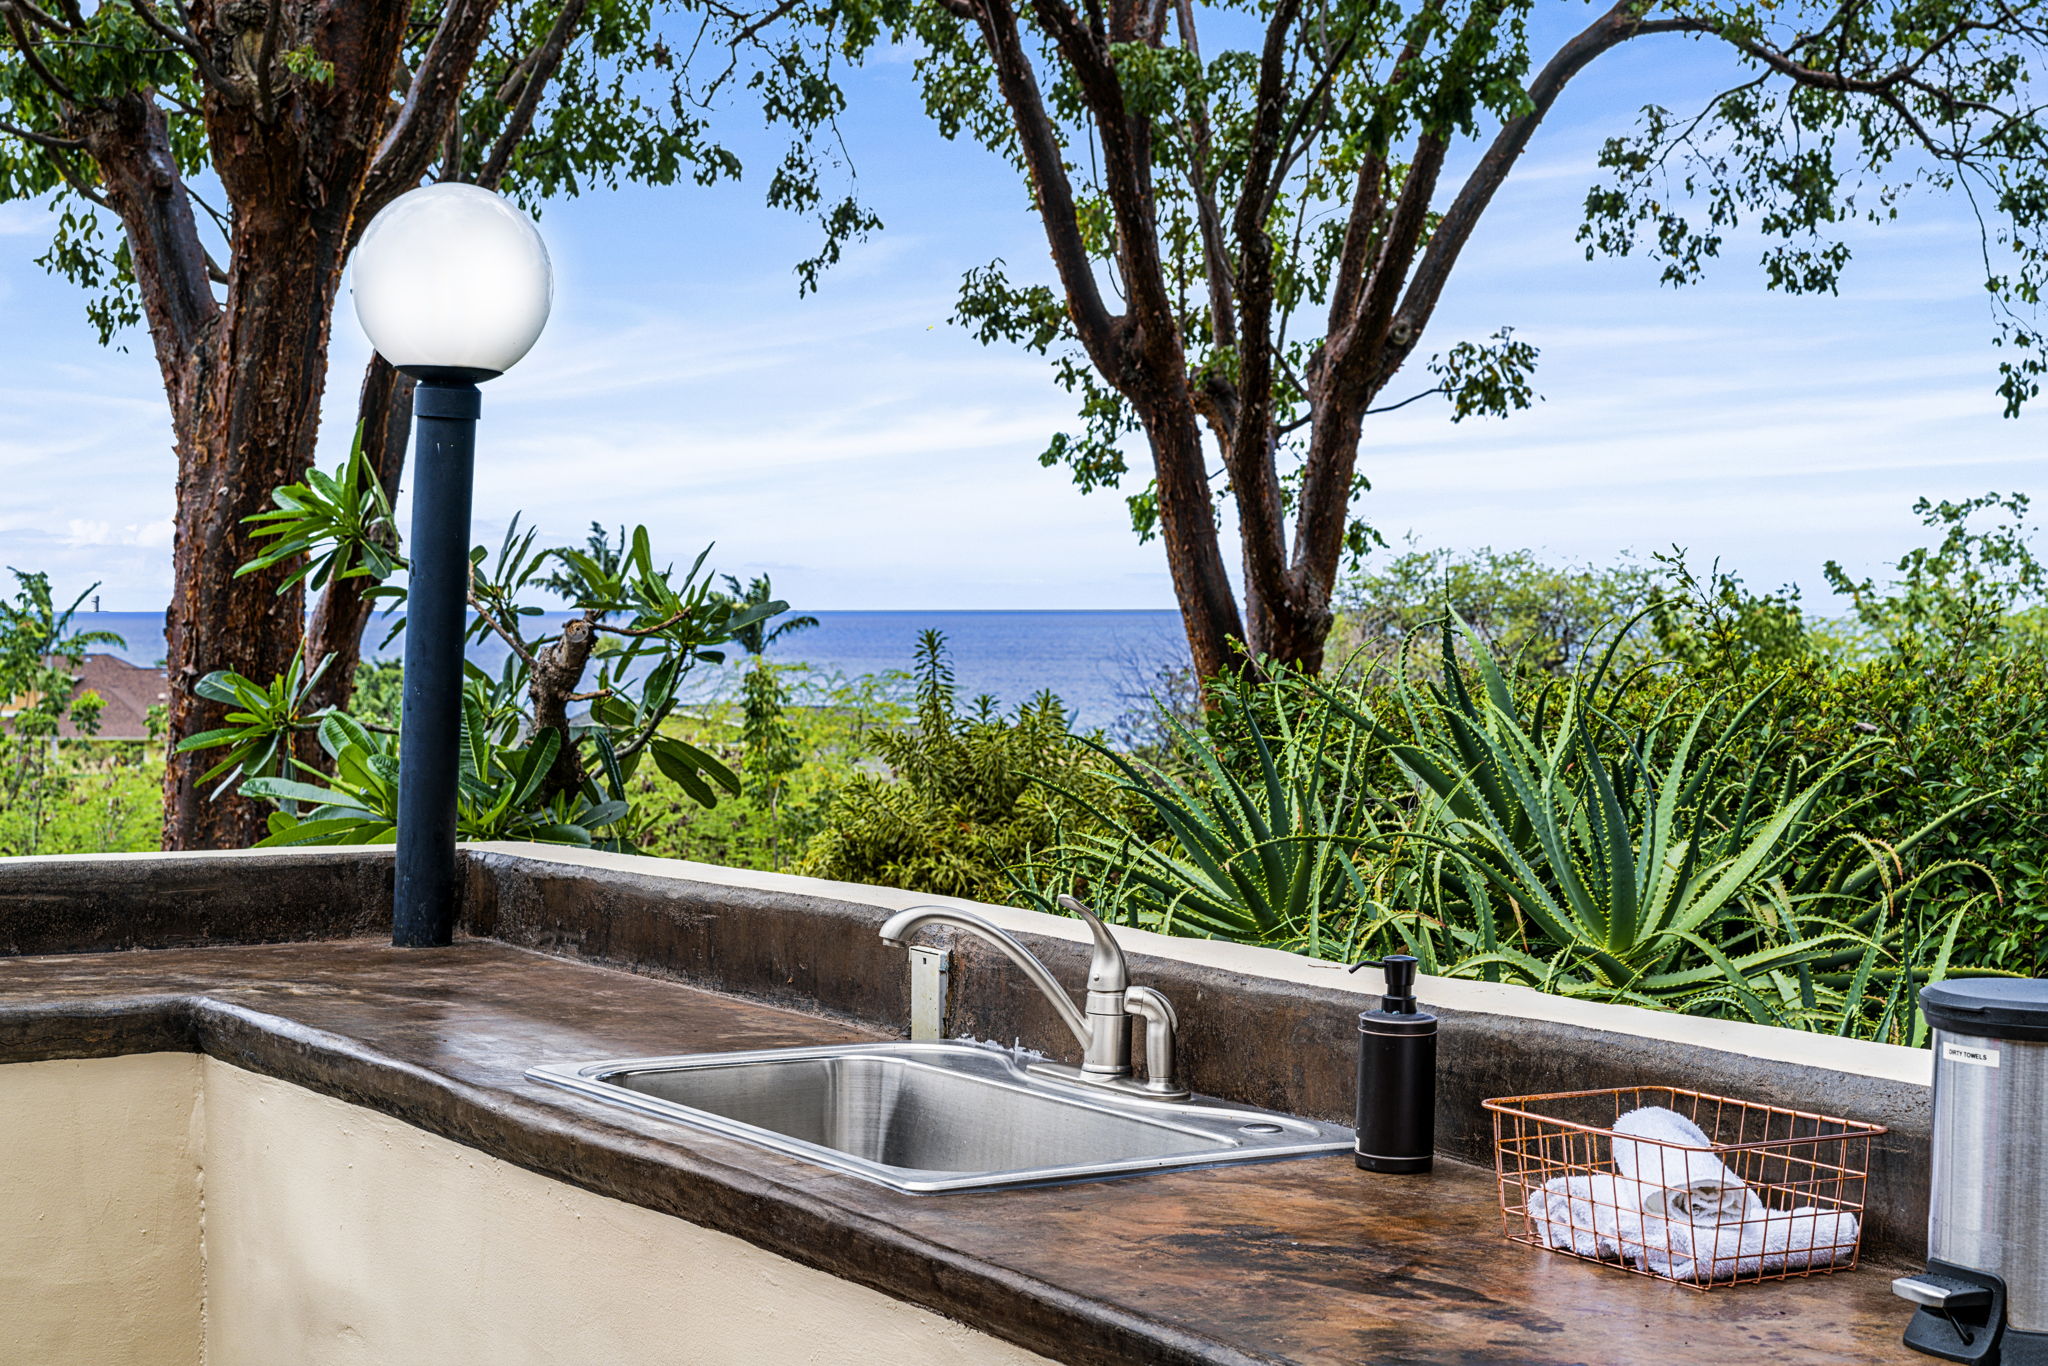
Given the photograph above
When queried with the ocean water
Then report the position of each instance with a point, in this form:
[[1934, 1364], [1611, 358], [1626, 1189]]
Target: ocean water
[[1099, 663]]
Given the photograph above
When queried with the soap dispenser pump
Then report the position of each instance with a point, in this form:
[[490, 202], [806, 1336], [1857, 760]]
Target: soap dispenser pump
[[1396, 1075]]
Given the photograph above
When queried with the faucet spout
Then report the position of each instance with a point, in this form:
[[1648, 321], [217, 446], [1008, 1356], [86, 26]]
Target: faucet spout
[[898, 928], [1103, 1029]]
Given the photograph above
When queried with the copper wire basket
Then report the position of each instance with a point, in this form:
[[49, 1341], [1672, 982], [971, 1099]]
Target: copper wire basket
[[1779, 1194]]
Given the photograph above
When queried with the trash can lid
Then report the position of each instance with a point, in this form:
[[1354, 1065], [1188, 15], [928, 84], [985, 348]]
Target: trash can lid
[[1990, 1007]]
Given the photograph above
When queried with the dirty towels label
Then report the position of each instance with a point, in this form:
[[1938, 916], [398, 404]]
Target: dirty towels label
[[1981, 1057]]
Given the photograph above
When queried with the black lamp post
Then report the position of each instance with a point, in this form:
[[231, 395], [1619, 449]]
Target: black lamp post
[[453, 286]]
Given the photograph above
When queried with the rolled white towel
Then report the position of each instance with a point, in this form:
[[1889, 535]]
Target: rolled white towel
[[1686, 1183], [1594, 1216], [1602, 1216], [1780, 1240]]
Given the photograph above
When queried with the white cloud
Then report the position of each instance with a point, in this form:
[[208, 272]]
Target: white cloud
[[148, 535], [18, 219]]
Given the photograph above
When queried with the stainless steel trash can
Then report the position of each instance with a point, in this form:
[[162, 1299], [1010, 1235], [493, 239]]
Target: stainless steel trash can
[[1984, 1295]]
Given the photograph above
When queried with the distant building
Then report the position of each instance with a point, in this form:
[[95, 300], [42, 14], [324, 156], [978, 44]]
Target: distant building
[[127, 690]]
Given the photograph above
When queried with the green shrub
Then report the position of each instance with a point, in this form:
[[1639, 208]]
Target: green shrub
[[88, 797], [51, 790], [1979, 741], [793, 752], [1943, 660], [1527, 610], [967, 797]]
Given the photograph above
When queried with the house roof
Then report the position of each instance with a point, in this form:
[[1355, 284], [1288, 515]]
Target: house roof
[[128, 691]]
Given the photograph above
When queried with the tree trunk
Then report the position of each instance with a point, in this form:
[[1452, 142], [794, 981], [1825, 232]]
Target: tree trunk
[[556, 672], [307, 143], [250, 428], [1292, 635], [1187, 525], [245, 382]]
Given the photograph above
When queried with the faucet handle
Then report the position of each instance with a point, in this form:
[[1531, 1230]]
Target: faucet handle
[[1106, 969]]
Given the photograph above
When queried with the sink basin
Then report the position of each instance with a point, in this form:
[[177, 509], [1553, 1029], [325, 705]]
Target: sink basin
[[927, 1117]]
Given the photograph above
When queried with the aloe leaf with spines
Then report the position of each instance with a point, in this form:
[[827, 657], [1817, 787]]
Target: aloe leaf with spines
[[1681, 864], [1263, 858], [1627, 890]]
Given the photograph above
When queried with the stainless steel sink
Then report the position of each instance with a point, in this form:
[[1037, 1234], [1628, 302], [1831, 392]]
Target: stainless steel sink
[[930, 1117]]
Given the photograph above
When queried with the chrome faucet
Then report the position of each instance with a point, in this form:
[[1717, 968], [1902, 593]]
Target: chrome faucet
[[1103, 1028]]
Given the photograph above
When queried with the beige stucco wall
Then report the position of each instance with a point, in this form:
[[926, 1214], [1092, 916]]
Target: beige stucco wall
[[335, 1236], [100, 1212], [339, 1237]]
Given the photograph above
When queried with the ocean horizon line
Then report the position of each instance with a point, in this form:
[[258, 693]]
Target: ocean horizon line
[[1098, 660]]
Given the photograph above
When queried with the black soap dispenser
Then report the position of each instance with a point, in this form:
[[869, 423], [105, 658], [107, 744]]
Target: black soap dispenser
[[1396, 1075]]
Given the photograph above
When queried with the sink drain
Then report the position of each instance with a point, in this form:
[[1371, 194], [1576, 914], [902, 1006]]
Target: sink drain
[[1258, 1128]]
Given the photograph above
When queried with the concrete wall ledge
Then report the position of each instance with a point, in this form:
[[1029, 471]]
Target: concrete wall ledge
[[1889, 1062], [71, 875], [1259, 1026]]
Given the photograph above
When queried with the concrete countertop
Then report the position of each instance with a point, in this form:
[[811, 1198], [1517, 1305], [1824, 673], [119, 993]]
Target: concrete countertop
[[1304, 1261]]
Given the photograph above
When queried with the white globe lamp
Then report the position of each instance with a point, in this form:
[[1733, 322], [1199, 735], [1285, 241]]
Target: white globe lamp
[[453, 286], [452, 282]]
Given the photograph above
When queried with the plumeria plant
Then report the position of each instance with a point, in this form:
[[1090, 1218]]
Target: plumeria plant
[[549, 741]]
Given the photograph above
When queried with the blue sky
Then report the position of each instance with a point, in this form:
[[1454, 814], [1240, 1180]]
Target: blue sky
[[869, 455]]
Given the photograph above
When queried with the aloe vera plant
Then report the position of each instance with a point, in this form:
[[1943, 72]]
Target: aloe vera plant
[[1684, 861], [1268, 857], [1587, 839]]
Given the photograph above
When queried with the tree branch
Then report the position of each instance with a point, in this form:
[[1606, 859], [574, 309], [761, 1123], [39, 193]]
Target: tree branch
[[130, 143], [653, 630], [1454, 230], [266, 55], [1325, 503], [1303, 128], [43, 140], [541, 68], [152, 21], [1368, 200], [1412, 398], [40, 16], [1254, 478], [483, 615], [431, 105], [1043, 159], [1151, 323], [79, 185], [747, 34], [1215, 253], [1357, 342], [209, 74], [35, 62]]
